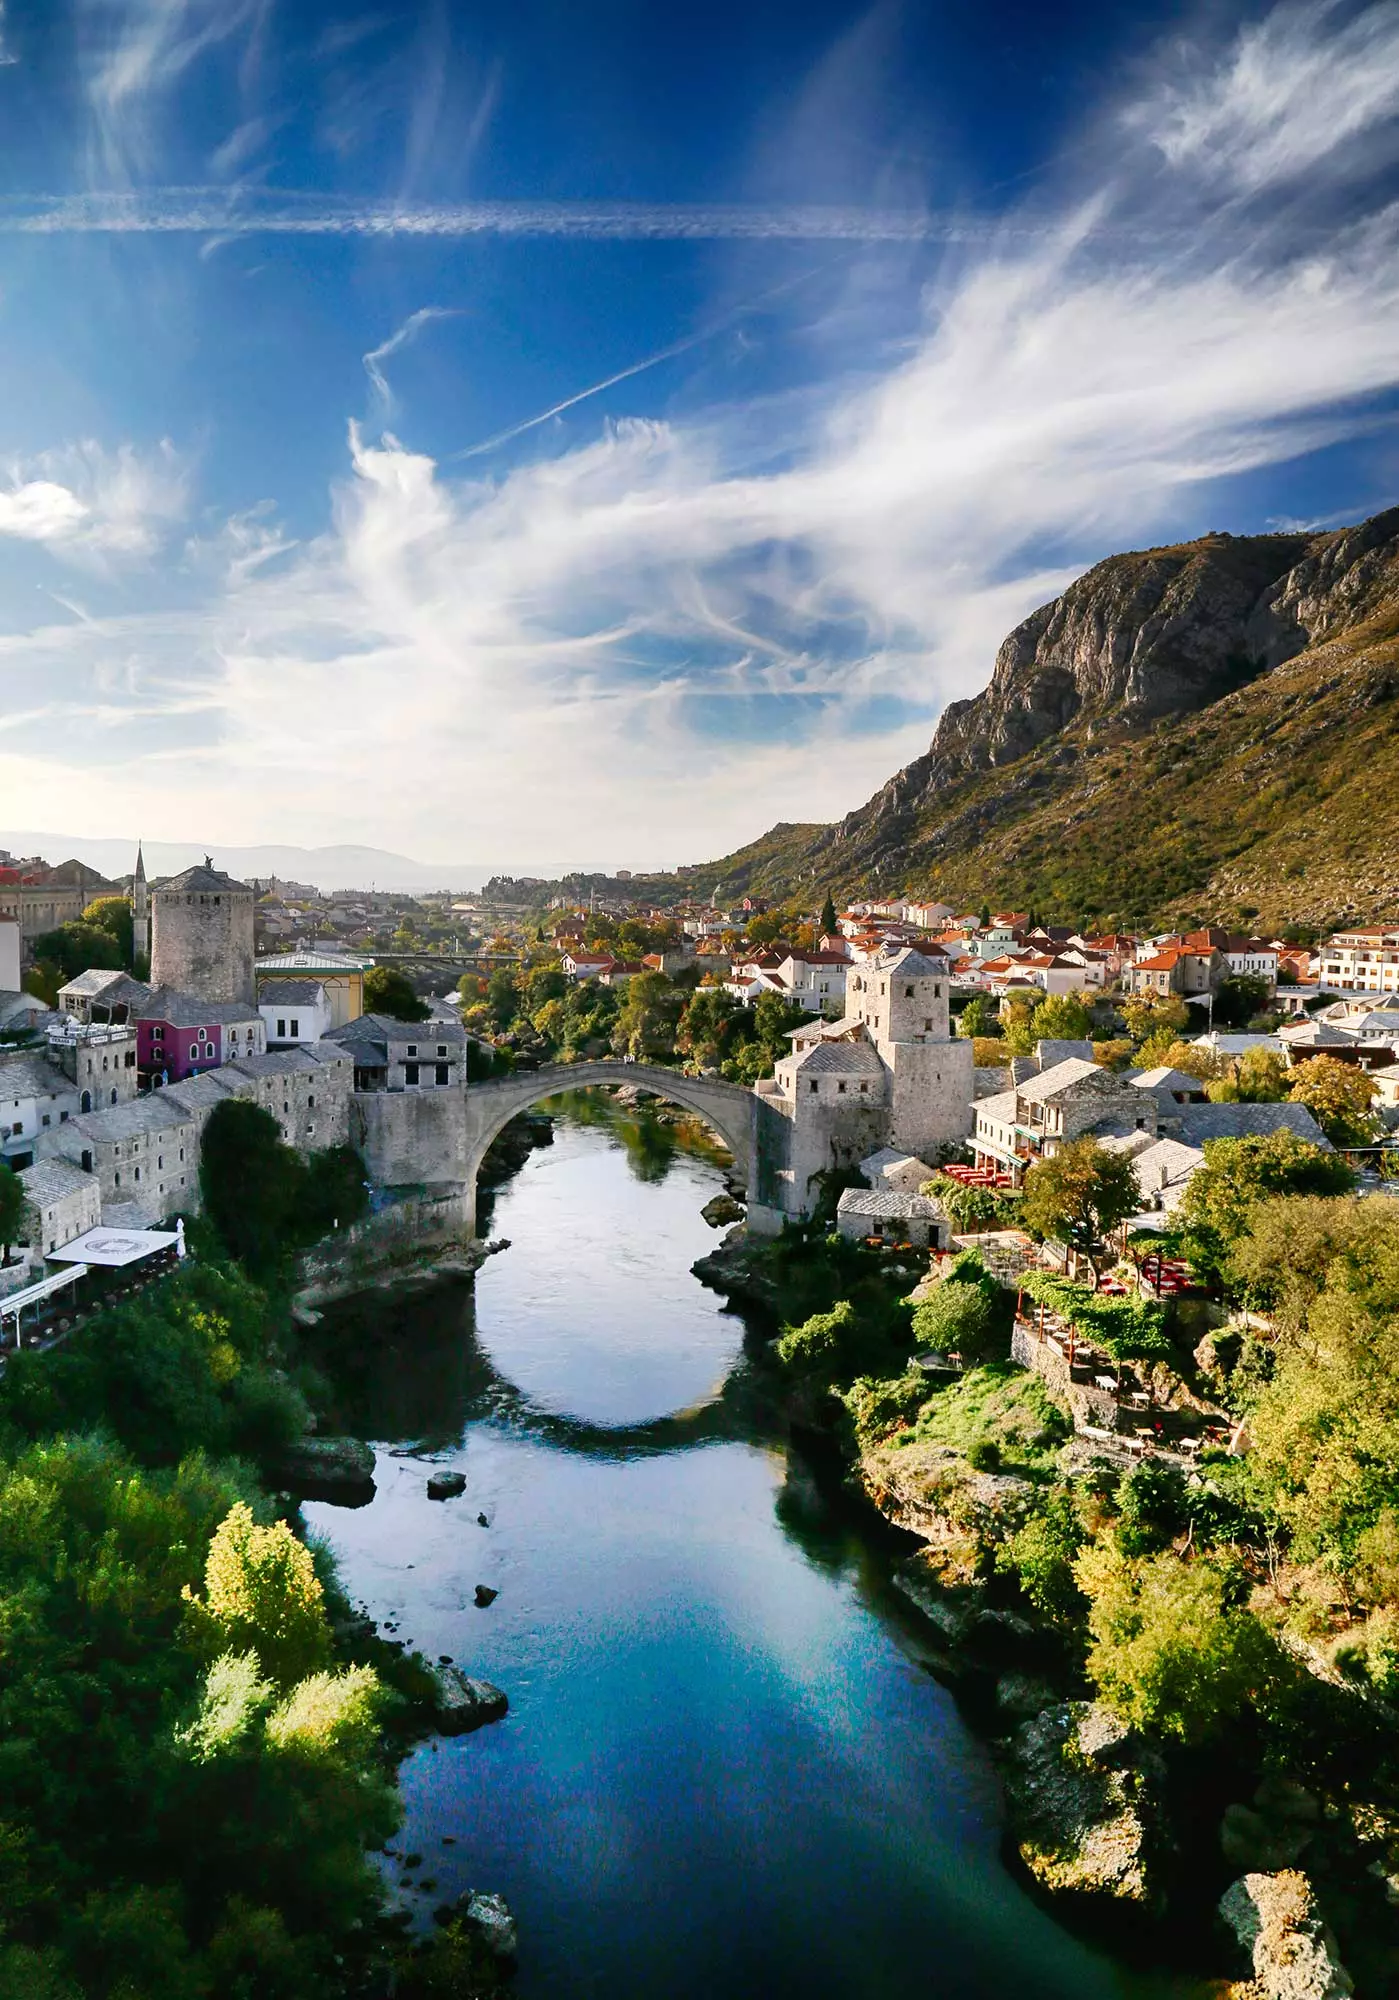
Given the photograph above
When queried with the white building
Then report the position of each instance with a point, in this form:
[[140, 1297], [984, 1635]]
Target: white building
[[898, 1218], [9, 954], [1366, 961], [294, 1011]]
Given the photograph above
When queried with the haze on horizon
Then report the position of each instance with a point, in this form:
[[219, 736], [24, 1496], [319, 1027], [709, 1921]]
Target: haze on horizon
[[607, 432]]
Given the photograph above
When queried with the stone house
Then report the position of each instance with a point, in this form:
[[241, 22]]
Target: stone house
[[80, 1069], [183, 1034], [202, 932], [889, 1072], [895, 1172], [1017, 1127], [64, 1203], [898, 1218]]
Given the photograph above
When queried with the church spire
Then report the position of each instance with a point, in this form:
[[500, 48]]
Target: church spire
[[140, 912]]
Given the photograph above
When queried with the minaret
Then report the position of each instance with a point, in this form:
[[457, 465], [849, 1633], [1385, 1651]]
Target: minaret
[[140, 911]]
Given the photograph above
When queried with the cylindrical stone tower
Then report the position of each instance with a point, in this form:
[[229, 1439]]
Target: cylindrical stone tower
[[202, 934]]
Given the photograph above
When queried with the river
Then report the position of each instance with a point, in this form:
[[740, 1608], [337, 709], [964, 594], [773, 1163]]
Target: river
[[726, 1771]]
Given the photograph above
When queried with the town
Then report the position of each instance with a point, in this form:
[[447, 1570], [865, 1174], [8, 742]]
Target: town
[[878, 1046]]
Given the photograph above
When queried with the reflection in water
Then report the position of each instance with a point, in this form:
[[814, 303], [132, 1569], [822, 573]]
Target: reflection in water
[[726, 1770]]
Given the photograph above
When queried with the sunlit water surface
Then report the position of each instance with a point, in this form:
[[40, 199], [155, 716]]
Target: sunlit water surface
[[725, 1772]]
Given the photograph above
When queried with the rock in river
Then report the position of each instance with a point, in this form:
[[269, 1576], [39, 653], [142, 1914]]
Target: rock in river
[[1276, 1920], [490, 1918], [1083, 1793], [446, 1485], [485, 1595], [722, 1211], [336, 1467], [463, 1703]]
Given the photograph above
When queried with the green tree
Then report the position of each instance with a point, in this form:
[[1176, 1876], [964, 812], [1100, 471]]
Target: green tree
[[1238, 1173], [12, 1209], [251, 1182], [978, 1018], [1260, 1076], [1017, 1014], [1148, 1013], [648, 1018], [828, 916], [1171, 1653], [502, 998], [1041, 1557], [389, 991], [708, 1026], [262, 1595], [1237, 1000], [1078, 1194], [1339, 1097], [1060, 1017], [79, 947], [960, 1318]]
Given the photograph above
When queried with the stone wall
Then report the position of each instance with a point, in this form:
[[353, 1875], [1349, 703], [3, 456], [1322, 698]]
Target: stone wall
[[426, 1233], [1089, 1403], [411, 1137]]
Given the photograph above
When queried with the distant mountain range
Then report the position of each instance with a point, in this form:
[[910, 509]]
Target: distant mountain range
[[1209, 730], [328, 868]]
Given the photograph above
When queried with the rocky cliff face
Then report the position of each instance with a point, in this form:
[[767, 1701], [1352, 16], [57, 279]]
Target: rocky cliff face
[[1138, 638]]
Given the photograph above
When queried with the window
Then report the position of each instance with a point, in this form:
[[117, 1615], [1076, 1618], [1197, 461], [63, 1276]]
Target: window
[[442, 1048], [114, 1097], [840, 1090], [311, 1103], [295, 1029], [138, 1173], [443, 1073], [908, 993], [116, 1178], [16, 1130], [160, 1162], [104, 1062], [87, 1163], [63, 1117], [281, 1031], [864, 1087], [927, 1027], [47, 1121], [410, 1072], [814, 1086], [131, 1059], [87, 1100]]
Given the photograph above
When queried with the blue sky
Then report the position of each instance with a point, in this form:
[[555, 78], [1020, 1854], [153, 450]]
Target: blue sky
[[602, 431]]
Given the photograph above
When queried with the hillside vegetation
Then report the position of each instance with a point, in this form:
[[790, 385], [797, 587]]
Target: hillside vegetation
[[1209, 730]]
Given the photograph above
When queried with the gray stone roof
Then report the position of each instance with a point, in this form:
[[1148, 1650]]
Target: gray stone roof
[[843, 1058], [1048, 1053], [1001, 1106], [157, 1113], [291, 993], [915, 963], [1063, 1075], [187, 1010], [1167, 1079], [1317, 1035], [1199, 1122], [50, 1180], [92, 982], [29, 1075], [203, 877], [884, 1204], [891, 1156], [200, 1093]]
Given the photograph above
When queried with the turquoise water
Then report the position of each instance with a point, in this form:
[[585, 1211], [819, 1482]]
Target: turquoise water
[[726, 1770]]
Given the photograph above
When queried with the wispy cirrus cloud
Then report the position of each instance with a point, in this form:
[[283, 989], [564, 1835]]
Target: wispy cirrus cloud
[[703, 625], [401, 337], [92, 506]]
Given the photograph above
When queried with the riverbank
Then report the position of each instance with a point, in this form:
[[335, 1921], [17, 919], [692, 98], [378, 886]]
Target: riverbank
[[1158, 1812]]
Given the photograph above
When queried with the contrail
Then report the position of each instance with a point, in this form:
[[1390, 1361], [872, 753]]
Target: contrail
[[636, 367], [401, 336], [201, 211]]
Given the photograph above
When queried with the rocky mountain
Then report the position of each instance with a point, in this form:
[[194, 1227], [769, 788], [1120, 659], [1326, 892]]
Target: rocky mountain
[[1209, 729]]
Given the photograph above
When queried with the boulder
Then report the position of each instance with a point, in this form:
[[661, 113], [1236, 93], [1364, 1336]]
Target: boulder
[[490, 1918], [723, 1211], [1276, 1920], [446, 1485], [329, 1467], [485, 1595], [1022, 1695], [1083, 1794], [463, 1702]]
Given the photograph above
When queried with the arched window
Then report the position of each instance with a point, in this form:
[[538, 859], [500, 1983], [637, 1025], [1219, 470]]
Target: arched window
[[87, 1100], [114, 1097]]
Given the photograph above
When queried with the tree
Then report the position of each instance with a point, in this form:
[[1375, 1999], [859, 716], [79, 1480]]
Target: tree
[[389, 991], [978, 1018], [1338, 1097], [961, 1318], [1078, 1194], [1237, 1000], [262, 1595], [1219, 1198], [1148, 1013], [252, 1183], [113, 915], [79, 947], [648, 1018], [502, 998], [828, 916], [1171, 1653], [1260, 1076], [1060, 1017], [1017, 1013], [12, 1209]]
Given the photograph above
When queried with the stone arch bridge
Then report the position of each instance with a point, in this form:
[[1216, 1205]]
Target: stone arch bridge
[[728, 1107]]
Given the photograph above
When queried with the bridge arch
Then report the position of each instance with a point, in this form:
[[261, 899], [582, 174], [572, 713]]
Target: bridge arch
[[728, 1107]]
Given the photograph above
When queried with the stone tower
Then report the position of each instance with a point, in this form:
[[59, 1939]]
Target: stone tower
[[202, 934], [140, 911]]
